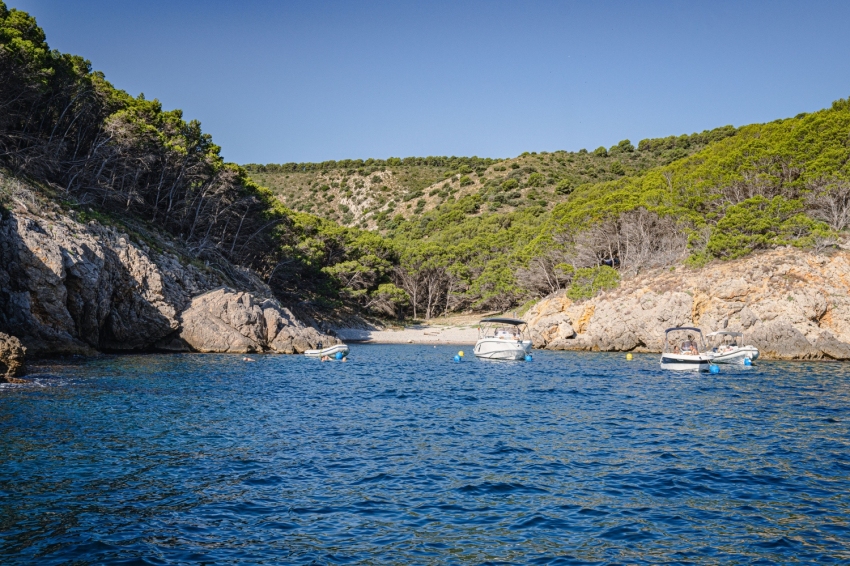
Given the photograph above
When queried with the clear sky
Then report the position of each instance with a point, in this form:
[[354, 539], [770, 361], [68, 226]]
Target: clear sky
[[277, 81]]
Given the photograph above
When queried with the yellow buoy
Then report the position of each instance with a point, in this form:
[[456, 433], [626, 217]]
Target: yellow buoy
[[460, 353], [629, 356]]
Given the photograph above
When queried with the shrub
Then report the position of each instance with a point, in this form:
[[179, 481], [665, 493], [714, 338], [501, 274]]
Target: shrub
[[617, 168], [588, 281], [510, 184], [465, 180], [564, 187], [536, 180], [600, 152]]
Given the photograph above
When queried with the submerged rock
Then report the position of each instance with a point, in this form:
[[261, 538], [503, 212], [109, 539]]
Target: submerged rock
[[791, 304], [12, 356], [229, 321]]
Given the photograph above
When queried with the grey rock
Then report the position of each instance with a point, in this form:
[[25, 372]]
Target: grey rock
[[831, 347], [12, 358], [780, 340], [228, 321], [66, 287]]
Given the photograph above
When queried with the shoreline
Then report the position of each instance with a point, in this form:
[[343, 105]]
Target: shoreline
[[418, 334]]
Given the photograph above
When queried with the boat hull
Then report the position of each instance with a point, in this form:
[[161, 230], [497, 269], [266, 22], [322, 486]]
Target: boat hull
[[500, 349], [735, 355], [684, 362], [329, 351]]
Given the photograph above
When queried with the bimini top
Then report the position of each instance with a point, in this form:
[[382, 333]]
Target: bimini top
[[725, 333], [683, 328], [514, 321]]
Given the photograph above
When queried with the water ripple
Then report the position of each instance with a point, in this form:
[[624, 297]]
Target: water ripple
[[402, 456]]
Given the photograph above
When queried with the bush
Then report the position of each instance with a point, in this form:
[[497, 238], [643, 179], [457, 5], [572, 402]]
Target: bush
[[600, 152], [465, 180], [510, 184], [588, 281], [564, 187], [617, 168], [536, 180]]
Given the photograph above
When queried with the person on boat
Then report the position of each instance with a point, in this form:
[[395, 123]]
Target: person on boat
[[689, 346]]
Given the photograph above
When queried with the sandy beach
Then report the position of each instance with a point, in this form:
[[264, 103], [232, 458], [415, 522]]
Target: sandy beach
[[455, 330]]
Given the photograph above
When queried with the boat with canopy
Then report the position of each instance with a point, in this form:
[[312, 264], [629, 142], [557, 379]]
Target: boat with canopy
[[502, 339], [684, 350], [728, 348]]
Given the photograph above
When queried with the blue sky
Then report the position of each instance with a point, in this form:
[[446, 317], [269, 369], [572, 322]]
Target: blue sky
[[308, 81]]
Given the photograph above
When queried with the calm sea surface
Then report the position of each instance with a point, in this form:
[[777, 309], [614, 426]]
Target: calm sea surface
[[402, 456]]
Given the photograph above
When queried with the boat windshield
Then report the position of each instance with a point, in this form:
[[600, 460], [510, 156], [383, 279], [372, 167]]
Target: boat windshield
[[503, 330], [684, 341]]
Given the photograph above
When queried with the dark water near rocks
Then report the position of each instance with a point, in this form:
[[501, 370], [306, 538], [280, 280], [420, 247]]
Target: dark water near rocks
[[401, 456]]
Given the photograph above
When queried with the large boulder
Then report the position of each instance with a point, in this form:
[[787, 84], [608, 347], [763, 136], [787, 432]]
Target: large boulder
[[12, 354], [228, 321], [73, 288], [781, 341], [831, 347]]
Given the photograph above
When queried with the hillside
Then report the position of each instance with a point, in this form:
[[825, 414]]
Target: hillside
[[417, 237], [734, 191], [370, 193]]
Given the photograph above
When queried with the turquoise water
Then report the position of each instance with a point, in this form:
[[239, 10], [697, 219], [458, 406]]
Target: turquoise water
[[402, 456]]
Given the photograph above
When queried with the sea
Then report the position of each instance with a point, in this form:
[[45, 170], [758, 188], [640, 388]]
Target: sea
[[403, 456]]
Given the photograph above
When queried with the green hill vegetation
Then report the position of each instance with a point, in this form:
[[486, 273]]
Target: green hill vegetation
[[420, 236], [735, 191], [373, 193]]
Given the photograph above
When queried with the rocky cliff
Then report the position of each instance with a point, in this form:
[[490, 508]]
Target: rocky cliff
[[74, 287], [789, 303]]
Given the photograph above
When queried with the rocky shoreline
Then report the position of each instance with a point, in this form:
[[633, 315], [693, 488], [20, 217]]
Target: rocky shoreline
[[73, 287], [791, 304]]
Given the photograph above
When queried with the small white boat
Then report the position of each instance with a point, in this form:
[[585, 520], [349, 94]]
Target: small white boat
[[728, 348], [502, 339], [330, 351], [684, 350]]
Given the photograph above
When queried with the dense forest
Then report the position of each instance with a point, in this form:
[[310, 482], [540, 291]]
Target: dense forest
[[427, 236]]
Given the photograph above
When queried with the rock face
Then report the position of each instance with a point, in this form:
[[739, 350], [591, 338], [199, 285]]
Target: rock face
[[67, 287], [789, 303], [12, 354], [72, 288], [229, 321]]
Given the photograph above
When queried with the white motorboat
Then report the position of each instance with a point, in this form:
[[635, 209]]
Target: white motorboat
[[330, 351], [728, 348], [684, 350], [502, 339]]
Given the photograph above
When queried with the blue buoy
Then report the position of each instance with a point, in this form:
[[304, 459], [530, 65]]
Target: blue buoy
[[713, 368], [339, 355], [748, 362], [528, 357], [457, 358]]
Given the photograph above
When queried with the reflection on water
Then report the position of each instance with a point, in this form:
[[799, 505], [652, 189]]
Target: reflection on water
[[402, 456]]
